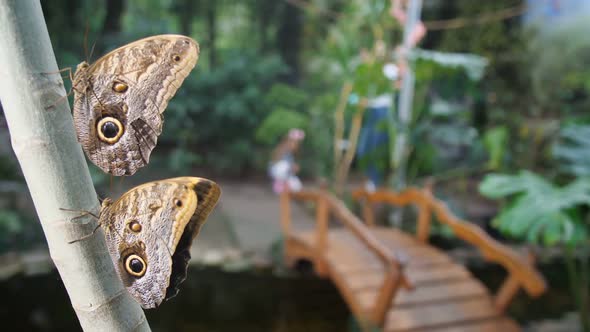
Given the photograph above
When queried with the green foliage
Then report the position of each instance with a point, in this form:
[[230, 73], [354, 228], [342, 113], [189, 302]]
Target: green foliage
[[369, 80], [286, 106], [18, 231], [496, 140], [442, 136], [11, 223], [559, 74], [539, 211], [216, 113], [182, 159], [285, 96], [9, 169], [572, 150], [277, 124]]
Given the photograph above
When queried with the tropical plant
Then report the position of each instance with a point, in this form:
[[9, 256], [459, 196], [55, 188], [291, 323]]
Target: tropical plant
[[572, 150], [541, 212]]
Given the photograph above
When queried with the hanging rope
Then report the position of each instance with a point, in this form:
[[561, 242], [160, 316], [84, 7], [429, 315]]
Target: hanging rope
[[455, 23], [461, 22]]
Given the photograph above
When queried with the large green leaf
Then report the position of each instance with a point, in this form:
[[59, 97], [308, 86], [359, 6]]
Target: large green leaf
[[538, 211], [501, 185], [573, 150]]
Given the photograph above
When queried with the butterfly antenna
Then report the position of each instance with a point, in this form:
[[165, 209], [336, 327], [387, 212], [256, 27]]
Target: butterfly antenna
[[86, 41], [91, 51]]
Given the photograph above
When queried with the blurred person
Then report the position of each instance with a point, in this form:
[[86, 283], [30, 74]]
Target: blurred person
[[399, 12], [283, 168]]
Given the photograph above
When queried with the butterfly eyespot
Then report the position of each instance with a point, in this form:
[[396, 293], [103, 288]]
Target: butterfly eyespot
[[120, 87], [109, 130], [135, 265], [176, 57], [135, 226], [178, 202]]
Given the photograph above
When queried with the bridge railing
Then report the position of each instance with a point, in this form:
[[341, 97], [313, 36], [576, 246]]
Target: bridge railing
[[521, 270], [326, 205]]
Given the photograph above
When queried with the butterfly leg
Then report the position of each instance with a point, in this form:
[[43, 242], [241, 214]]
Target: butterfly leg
[[61, 99], [68, 69], [83, 213], [85, 236]]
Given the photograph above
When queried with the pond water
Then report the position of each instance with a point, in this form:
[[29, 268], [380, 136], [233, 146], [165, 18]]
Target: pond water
[[210, 300], [213, 300]]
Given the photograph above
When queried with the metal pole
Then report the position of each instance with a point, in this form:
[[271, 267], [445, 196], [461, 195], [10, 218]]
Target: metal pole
[[405, 99]]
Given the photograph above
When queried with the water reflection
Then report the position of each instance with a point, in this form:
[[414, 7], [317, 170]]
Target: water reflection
[[210, 300]]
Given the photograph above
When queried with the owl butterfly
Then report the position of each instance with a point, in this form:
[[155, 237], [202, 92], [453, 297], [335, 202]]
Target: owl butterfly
[[119, 99], [149, 231]]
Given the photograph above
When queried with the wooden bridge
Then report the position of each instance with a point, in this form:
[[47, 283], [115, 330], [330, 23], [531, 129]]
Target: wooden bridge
[[396, 281]]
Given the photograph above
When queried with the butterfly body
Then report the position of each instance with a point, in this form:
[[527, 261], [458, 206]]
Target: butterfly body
[[149, 231], [119, 99]]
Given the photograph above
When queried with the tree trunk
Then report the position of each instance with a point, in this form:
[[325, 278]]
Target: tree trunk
[[111, 26], [265, 13], [112, 19], [212, 31], [289, 40], [185, 10], [56, 172]]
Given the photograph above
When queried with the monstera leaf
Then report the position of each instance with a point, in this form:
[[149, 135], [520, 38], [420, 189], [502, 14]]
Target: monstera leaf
[[573, 150], [537, 210]]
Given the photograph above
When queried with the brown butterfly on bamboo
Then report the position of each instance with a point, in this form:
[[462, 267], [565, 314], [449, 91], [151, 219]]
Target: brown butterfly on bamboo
[[120, 98], [149, 231]]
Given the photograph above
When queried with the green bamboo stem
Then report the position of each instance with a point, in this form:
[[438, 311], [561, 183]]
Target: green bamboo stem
[[576, 286], [56, 172], [585, 291]]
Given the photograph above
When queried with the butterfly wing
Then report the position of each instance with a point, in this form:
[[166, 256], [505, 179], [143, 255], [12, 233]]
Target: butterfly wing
[[119, 99], [149, 231]]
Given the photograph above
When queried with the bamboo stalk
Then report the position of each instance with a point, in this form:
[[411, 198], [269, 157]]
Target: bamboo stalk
[[339, 124], [353, 137], [322, 220], [56, 172]]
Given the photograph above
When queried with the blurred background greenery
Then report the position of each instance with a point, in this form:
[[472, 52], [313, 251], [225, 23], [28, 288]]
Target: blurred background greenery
[[269, 65]]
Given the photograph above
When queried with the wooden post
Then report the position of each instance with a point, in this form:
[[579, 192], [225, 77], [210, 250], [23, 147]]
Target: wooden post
[[424, 213], [368, 214], [506, 293], [386, 295], [423, 227], [510, 287], [322, 219], [285, 213]]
